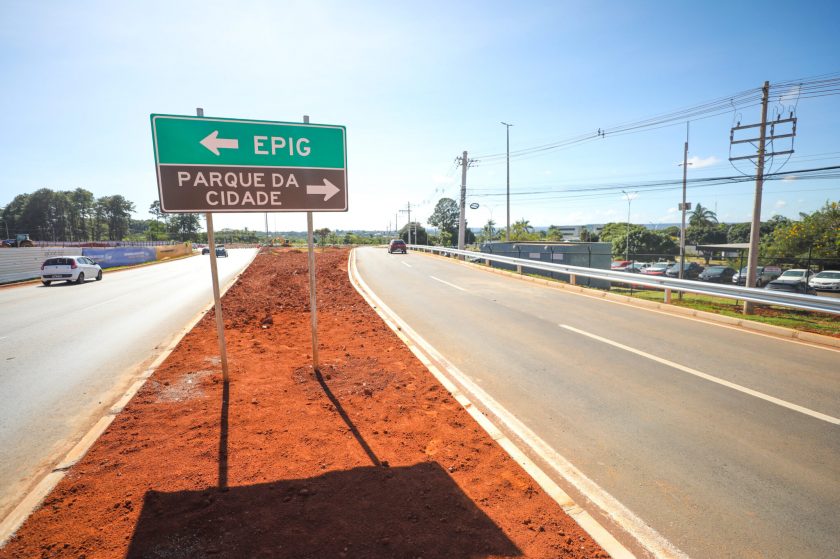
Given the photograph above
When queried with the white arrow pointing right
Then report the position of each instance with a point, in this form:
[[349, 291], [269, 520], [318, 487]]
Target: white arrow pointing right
[[213, 142], [328, 189]]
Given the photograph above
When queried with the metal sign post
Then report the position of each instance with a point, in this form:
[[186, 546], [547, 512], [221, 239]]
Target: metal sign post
[[313, 300], [217, 298]]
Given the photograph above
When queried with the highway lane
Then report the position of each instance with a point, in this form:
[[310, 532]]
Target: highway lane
[[67, 351], [724, 441]]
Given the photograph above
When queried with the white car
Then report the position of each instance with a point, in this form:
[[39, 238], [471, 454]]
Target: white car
[[829, 280], [70, 269]]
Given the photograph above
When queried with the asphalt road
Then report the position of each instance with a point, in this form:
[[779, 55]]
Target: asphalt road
[[724, 441], [67, 351]]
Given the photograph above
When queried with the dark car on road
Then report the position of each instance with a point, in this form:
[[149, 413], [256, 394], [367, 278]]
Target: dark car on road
[[793, 281], [397, 245], [717, 274], [221, 251], [690, 271]]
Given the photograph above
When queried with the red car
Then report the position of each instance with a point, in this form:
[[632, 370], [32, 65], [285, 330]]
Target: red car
[[397, 245], [620, 265], [657, 269]]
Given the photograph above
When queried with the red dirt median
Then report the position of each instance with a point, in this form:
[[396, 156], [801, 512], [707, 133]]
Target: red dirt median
[[371, 458]]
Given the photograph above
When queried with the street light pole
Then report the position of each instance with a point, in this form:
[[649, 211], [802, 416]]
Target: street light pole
[[507, 135]]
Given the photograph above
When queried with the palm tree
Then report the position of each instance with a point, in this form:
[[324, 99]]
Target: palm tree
[[488, 232], [521, 230], [702, 216]]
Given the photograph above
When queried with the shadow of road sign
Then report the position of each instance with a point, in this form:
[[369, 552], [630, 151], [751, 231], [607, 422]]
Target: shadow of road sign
[[373, 512]]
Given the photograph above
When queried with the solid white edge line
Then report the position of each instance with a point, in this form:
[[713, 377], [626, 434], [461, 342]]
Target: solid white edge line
[[447, 283], [32, 500], [706, 376], [645, 536]]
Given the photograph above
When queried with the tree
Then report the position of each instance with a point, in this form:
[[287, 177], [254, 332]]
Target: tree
[[817, 233], [446, 216], [419, 235], [587, 236], [322, 234], [488, 232], [643, 241], [554, 233], [522, 230], [702, 216], [184, 227]]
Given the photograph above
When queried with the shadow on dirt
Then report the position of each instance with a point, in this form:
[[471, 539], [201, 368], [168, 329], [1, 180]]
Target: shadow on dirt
[[371, 512]]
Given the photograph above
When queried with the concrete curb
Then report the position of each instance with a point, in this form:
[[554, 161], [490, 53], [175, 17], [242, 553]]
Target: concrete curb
[[15, 519], [508, 431], [810, 338]]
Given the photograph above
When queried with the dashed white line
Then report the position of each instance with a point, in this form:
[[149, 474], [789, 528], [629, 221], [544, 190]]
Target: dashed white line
[[447, 283], [406, 264], [705, 376]]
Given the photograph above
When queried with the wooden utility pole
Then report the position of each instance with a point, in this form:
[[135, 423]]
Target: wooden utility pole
[[752, 259], [683, 207]]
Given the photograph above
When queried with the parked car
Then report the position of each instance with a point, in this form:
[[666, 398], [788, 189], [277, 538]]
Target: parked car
[[70, 269], [657, 269], [794, 281], [763, 275], [205, 250], [828, 280], [620, 265], [397, 245], [717, 274], [690, 271], [221, 251]]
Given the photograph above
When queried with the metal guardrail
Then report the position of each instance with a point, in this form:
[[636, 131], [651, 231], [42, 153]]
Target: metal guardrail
[[829, 305]]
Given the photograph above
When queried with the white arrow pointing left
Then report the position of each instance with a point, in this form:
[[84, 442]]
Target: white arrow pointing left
[[213, 142]]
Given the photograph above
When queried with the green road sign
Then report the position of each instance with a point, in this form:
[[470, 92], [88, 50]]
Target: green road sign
[[229, 165]]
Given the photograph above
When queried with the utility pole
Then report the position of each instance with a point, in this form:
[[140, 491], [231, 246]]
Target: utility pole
[[755, 227], [683, 207], [630, 197], [465, 162], [507, 134], [409, 223]]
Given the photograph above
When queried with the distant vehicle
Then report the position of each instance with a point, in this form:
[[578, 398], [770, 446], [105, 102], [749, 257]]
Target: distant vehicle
[[763, 275], [20, 240], [70, 269], [657, 269], [221, 251], [637, 267], [829, 280], [620, 265], [205, 250], [397, 245], [690, 271], [793, 281], [717, 274]]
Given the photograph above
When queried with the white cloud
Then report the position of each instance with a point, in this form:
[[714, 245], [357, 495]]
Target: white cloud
[[700, 162], [788, 178], [790, 95], [442, 179], [780, 204]]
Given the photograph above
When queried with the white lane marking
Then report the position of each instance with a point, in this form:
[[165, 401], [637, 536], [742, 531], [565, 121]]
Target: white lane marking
[[406, 264], [447, 283], [710, 378]]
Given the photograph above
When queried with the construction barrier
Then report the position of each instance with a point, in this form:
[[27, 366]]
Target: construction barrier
[[19, 264], [121, 256], [173, 251]]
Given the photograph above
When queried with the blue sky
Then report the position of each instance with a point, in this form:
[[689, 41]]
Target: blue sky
[[416, 84]]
